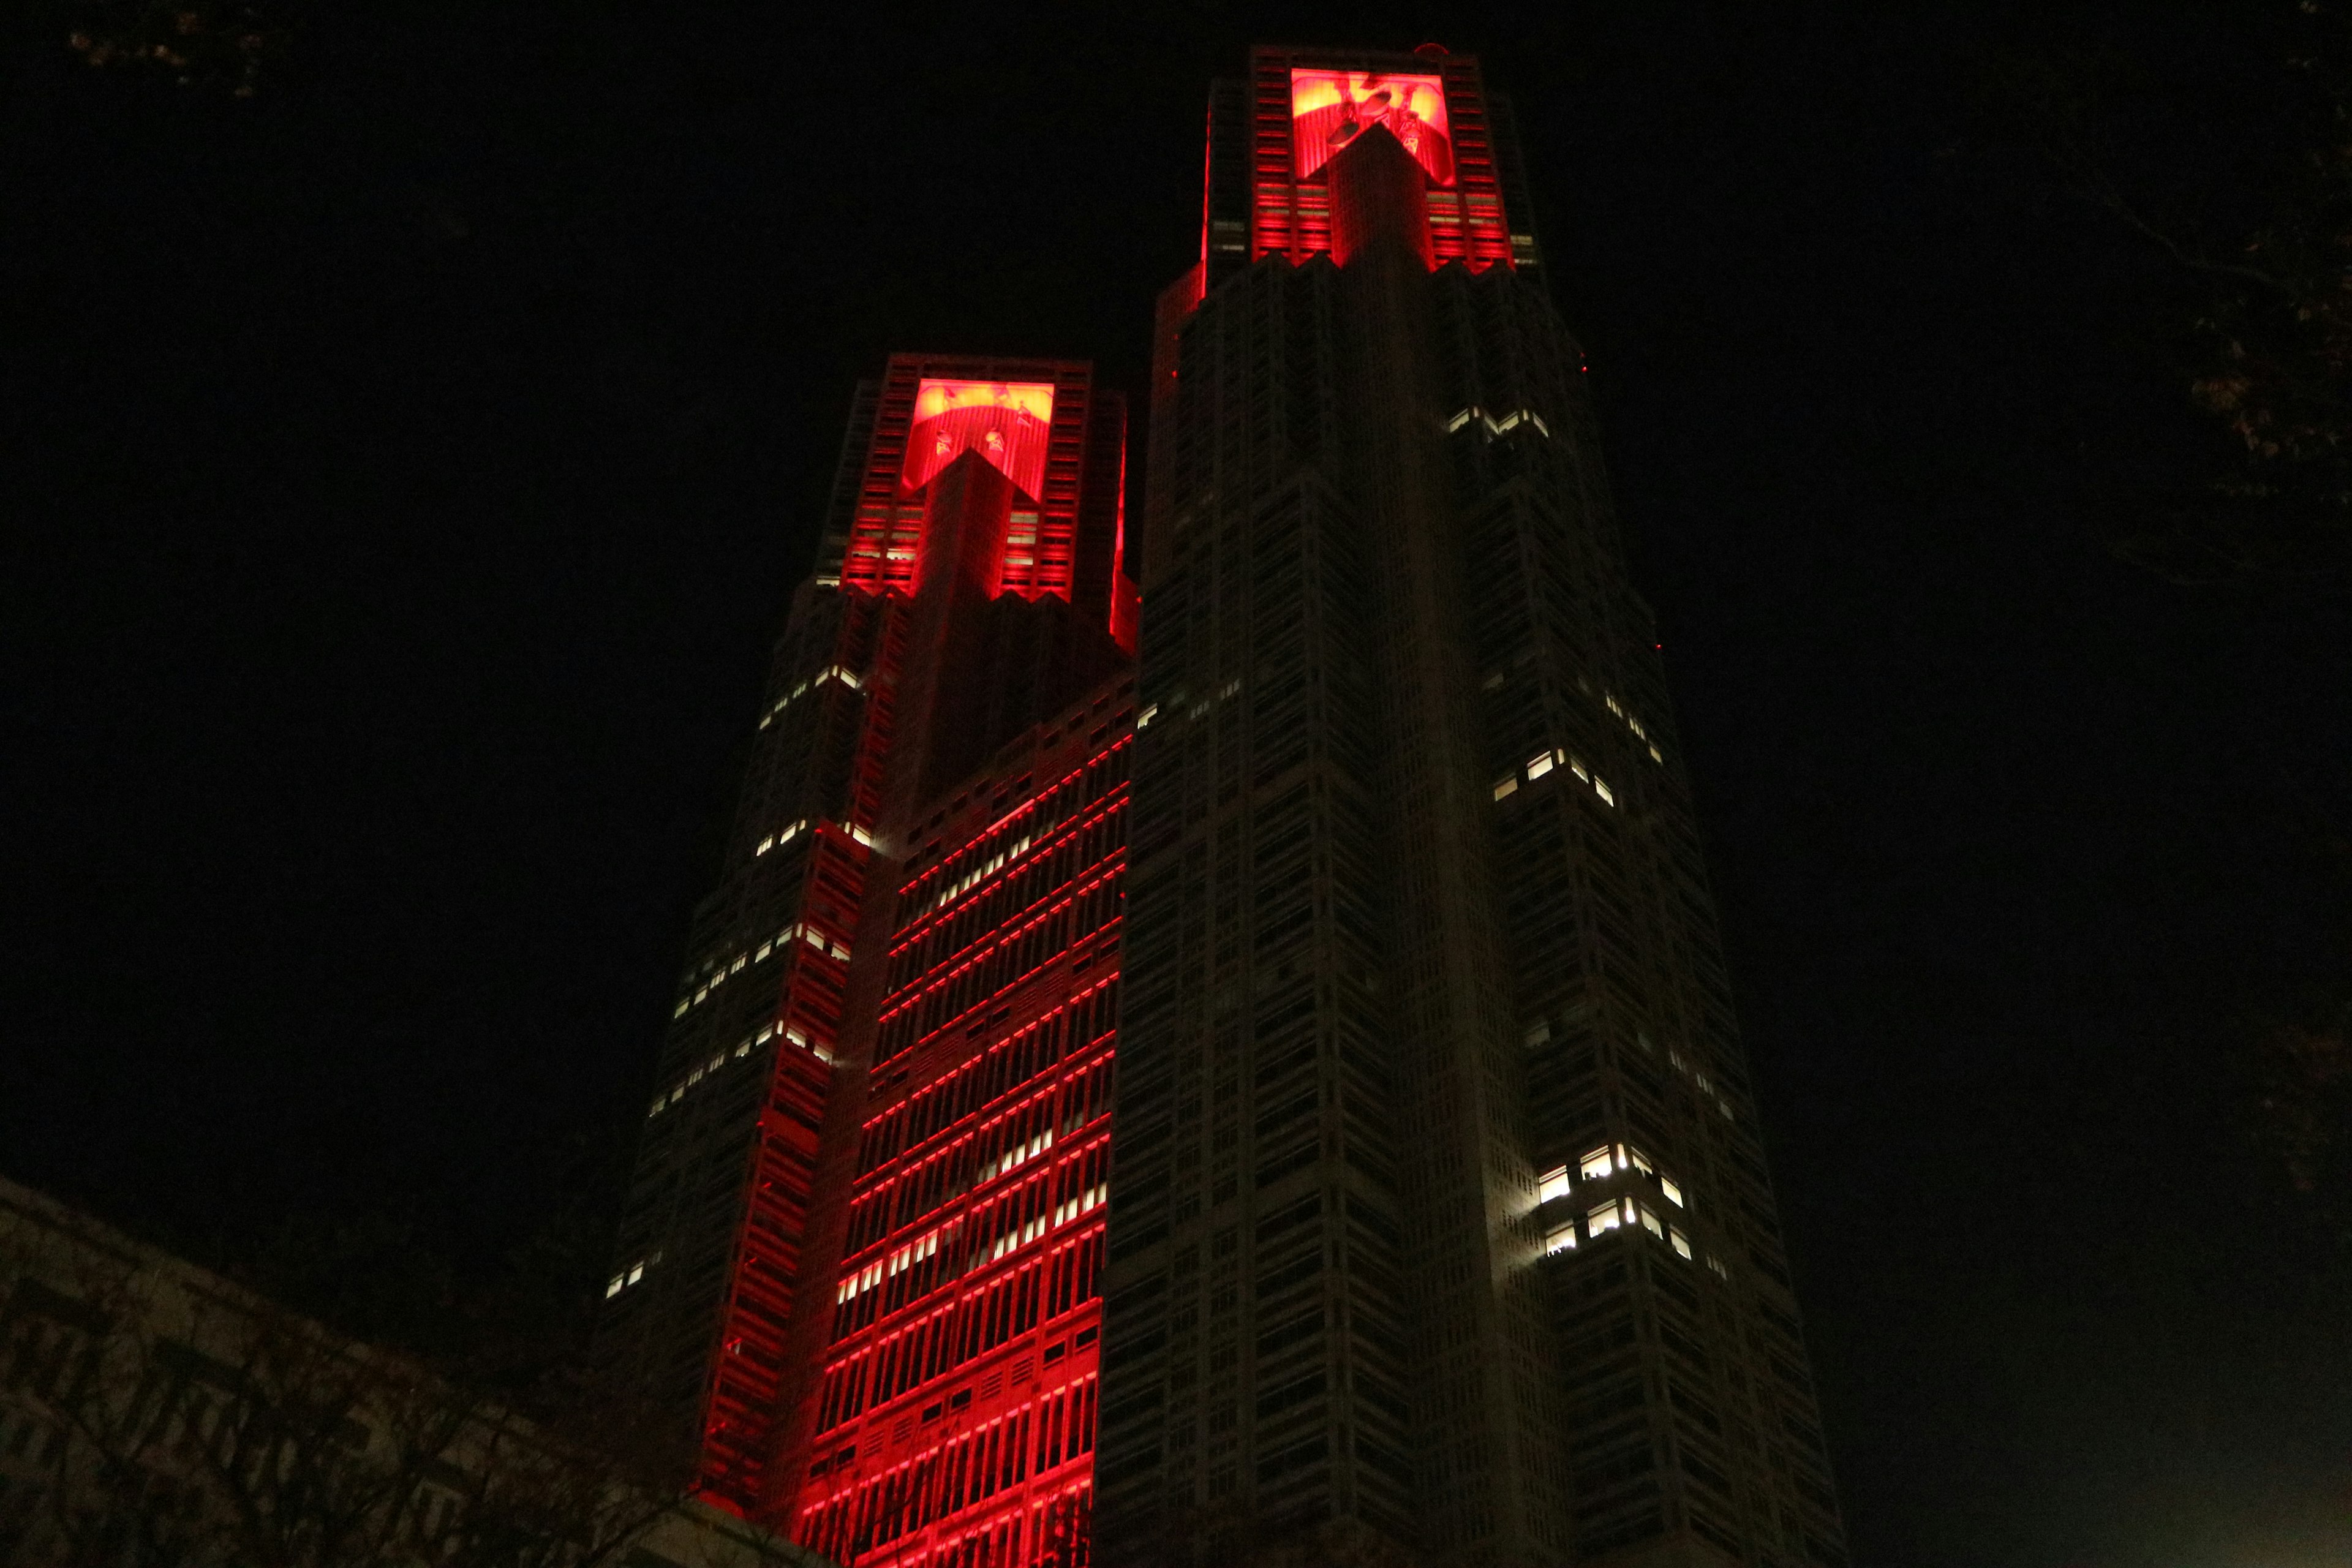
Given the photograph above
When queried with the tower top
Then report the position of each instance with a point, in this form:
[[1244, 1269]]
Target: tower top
[[1272, 137]]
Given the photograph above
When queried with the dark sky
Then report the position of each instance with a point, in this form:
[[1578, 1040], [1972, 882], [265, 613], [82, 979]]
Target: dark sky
[[403, 470]]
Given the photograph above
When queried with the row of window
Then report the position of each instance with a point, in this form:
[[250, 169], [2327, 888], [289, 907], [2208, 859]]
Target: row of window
[[831, 672], [997, 968], [1634, 724], [1019, 1134], [1543, 762], [800, 930], [1000, 1226], [1068, 795], [743, 1048], [1009, 1064], [925, 1350], [1608, 1160], [786, 835], [998, 896], [953, 891], [1623, 1214], [1495, 426], [1056, 1429]]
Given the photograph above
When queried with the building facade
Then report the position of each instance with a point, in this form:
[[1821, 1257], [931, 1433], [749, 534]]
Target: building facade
[[1434, 1228], [858, 1258], [1440, 1226]]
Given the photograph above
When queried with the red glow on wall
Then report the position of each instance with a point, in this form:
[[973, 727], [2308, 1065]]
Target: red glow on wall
[[1330, 108], [1004, 422], [1301, 114], [957, 1402], [932, 410]]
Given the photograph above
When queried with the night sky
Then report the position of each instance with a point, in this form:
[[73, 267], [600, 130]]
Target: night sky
[[403, 471]]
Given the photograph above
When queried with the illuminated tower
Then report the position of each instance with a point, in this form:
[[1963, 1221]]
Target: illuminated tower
[[871, 1178], [1439, 1230]]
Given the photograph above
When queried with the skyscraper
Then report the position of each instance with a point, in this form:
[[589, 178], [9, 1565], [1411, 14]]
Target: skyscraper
[[877, 1157], [1440, 1228], [1434, 1226]]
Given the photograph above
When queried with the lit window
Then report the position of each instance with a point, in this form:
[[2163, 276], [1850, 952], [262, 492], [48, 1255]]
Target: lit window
[[1559, 1238], [614, 1287], [1655, 755], [636, 1274], [1539, 766], [1674, 1193], [1540, 1034], [1649, 1223], [1628, 1155], [1595, 1164], [1459, 420], [1604, 792], [1552, 1184], [1144, 719], [765, 845], [1679, 1242], [1509, 784], [1717, 1264], [1605, 1217]]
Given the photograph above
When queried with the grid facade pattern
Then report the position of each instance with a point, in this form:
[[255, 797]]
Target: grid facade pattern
[[1441, 1229], [976, 610], [957, 1395]]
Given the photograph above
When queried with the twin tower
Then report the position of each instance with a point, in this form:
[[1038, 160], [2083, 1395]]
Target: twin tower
[[1212, 1048]]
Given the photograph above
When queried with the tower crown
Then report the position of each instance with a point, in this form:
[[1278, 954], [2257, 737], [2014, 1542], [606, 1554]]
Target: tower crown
[[1272, 139]]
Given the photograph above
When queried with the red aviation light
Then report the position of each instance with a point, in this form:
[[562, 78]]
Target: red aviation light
[[1006, 422], [1329, 109]]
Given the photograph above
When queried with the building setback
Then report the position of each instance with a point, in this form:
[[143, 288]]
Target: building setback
[[1440, 1223]]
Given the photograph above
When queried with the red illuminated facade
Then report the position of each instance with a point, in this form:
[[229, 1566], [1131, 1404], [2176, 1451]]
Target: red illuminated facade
[[919, 909], [1303, 106], [1038, 434], [1439, 1232], [957, 1402]]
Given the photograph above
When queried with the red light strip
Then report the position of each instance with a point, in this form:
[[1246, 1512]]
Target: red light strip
[[980, 842], [956, 1407], [1027, 920]]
